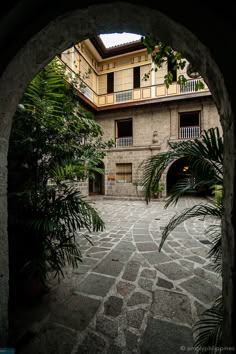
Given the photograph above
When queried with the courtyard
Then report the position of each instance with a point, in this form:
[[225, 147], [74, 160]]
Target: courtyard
[[126, 296]]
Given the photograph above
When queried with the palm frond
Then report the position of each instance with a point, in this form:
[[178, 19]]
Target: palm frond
[[208, 330], [213, 232], [183, 215], [205, 157]]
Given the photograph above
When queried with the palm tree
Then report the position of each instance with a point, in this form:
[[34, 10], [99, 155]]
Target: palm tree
[[205, 158]]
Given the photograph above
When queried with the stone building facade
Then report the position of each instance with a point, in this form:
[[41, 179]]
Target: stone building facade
[[141, 116]]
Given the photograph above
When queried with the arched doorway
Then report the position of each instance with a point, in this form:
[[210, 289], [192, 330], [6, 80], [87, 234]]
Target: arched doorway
[[179, 170], [96, 183], [41, 37]]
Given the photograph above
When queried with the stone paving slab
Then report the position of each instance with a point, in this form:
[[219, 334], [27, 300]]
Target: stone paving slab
[[96, 284], [172, 306], [166, 338], [127, 297], [201, 289], [77, 312]]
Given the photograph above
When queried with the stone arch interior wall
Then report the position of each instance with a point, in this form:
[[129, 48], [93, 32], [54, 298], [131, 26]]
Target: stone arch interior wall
[[59, 35]]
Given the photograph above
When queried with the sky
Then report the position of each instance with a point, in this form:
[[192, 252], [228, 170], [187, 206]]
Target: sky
[[113, 39]]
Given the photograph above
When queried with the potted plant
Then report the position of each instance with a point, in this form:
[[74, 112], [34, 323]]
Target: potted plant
[[157, 189]]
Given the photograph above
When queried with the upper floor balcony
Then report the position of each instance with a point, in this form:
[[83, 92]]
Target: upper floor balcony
[[189, 132], [152, 93], [142, 94], [124, 141]]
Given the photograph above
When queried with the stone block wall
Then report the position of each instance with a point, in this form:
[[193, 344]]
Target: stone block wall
[[161, 118]]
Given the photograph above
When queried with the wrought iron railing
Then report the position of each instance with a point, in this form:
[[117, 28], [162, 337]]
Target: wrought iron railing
[[189, 132], [125, 141]]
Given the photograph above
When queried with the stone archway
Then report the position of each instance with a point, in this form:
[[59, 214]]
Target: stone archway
[[80, 24]]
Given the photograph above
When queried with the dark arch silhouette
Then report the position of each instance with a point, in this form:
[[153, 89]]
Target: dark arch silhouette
[[33, 32]]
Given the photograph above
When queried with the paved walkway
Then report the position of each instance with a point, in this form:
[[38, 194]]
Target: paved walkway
[[127, 297]]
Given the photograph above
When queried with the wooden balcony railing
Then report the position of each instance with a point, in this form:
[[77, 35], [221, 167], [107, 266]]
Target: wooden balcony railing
[[133, 95]]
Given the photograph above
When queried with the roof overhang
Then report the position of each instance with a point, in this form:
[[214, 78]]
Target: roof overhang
[[116, 50]]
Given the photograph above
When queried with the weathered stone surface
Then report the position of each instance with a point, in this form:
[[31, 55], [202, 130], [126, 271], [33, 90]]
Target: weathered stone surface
[[196, 259], [120, 255], [187, 264], [145, 284], [174, 255], [131, 340], [109, 266], [167, 249], [201, 289], [183, 251], [209, 276], [190, 243], [125, 245], [142, 231], [96, 284], [107, 244], [166, 338], [131, 271], [138, 298], [107, 326], [113, 306], [171, 306], [148, 273], [47, 341], [201, 251], [163, 283], [99, 255], [173, 270], [92, 343], [124, 289], [142, 238], [82, 269], [178, 235], [135, 318], [156, 257], [89, 261], [77, 312], [199, 308], [112, 264], [146, 246], [96, 250], [174, 244]]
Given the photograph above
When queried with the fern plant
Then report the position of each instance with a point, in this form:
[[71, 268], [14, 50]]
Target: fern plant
[[54, 144]]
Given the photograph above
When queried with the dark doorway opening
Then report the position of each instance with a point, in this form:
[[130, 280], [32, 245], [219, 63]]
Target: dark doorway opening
[[97, 182], [180, 170]]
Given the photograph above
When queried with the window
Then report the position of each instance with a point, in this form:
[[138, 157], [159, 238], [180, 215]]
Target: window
[[136, 75], [124, 172], [110, 82], [189, 125], [171, 68], [124, 132]]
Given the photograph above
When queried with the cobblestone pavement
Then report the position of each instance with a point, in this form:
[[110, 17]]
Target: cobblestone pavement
[[126, 296]]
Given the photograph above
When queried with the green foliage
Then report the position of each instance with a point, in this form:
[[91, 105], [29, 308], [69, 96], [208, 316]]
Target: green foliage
[[217, 190], [161, 53], [54, 144], [208, 329], [205, 158]]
